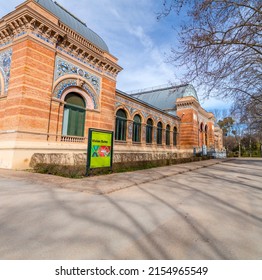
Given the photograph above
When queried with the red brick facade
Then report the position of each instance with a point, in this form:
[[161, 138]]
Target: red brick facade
[[33, 90]]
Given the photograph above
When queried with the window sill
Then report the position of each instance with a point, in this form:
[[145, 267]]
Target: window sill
[[120, 142], [3, 96]]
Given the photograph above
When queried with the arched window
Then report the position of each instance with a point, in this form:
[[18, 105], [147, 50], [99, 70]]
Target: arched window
[[168, 135], [206, 135], [201, 127], [120, 130], [149, 131], [136, 129], [175, 136], [159, 133], [74, 115]]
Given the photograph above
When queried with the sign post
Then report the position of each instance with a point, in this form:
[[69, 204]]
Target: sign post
[[99, 149]]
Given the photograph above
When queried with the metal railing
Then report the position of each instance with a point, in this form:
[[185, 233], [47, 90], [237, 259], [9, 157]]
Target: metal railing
[[209, 152]]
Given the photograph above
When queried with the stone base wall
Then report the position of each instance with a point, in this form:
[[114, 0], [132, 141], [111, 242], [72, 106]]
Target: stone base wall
[[59, 159], [80, 158], [20, 154], [24, 155], [143, 156]]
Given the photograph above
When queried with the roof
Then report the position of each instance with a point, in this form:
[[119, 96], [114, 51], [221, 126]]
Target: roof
[[73, 22], [164, 97], [172, 114]]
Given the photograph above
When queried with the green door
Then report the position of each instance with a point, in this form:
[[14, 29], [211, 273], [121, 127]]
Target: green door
[[74, 125], [74, 115]]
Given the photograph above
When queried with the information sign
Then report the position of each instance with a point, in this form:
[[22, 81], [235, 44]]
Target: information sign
[[100, 149]]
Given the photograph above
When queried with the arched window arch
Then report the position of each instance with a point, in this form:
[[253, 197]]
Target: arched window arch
[[175, 136], [74, 115], [65, 86], [159, 133], [136, 129], [121, 121], [149, 131], [168, 135]]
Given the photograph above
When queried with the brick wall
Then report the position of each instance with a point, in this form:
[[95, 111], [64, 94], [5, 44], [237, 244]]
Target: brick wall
[[27, 106], [28, 100], [188, 136]]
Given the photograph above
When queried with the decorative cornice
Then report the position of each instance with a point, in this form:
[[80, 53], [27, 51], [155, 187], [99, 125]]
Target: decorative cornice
[[25, 20], [187, 102], [207, 115]]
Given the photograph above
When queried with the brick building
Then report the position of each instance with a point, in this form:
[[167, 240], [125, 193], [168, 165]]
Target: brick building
[[58, 79]]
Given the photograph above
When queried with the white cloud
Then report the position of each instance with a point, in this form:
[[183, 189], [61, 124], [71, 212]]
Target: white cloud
[[133, 34], [139, 32]]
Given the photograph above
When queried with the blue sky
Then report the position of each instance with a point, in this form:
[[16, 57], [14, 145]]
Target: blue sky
[[135, 36]]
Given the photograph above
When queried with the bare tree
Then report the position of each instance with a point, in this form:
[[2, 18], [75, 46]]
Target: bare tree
[[220, 114], [249, 111], [221, 46]]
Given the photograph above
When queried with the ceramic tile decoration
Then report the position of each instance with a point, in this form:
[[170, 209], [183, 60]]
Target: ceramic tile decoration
[[5, 66]]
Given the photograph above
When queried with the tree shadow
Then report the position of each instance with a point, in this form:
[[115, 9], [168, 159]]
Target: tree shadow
[[127, 227]]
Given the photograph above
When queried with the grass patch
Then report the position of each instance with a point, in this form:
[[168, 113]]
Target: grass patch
[[70, 171], [78, 171]]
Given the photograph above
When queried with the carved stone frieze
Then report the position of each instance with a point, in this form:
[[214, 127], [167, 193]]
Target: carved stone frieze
[[64, 67]]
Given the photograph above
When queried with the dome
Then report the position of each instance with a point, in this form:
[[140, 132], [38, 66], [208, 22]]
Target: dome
[[189, 90]]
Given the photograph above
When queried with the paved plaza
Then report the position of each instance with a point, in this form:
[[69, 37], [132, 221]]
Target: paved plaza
[[203, 210]]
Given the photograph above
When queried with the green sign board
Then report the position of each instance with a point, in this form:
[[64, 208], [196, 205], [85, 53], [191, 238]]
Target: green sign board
[[100, 149]]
